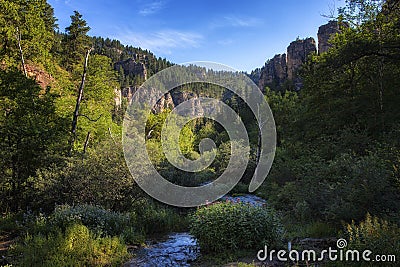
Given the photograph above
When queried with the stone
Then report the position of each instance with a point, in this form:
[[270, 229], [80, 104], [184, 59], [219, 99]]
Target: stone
[[43, 78], [325, 33], [274, 72], [284, 67], [132, 66], [297, 54]]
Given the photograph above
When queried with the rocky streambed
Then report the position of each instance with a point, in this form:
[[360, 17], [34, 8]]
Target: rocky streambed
[[178, 249]]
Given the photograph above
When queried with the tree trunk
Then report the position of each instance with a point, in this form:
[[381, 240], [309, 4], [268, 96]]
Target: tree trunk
[[21, 53], [258, 155], [78, 101], [86, 143]]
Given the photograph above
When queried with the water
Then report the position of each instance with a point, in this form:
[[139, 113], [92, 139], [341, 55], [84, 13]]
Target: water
[[179, 249], [250, 199]]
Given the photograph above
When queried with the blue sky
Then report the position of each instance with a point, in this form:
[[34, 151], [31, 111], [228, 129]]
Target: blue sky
[[240, 34]]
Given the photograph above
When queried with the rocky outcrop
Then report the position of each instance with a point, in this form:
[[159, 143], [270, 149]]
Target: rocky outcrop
[[132, 66], [43, 78], [128, 92], [167, 101], [284, 67], [274, 72], [117, 98], [325, 33], [297, 54]]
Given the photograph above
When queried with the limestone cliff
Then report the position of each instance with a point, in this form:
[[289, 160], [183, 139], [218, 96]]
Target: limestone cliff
[[167, 101], [283, 69], [132, 66], [274, 72], [297, 53], [325, 33]]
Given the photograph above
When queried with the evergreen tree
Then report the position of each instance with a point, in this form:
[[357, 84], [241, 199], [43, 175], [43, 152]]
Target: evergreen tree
[[76, 41], [29, 23], [31, 136]]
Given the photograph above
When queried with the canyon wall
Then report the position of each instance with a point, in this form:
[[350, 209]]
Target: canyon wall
[[282, 71]]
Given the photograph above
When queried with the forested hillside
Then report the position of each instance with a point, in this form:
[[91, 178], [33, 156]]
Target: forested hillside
[[68, 199]]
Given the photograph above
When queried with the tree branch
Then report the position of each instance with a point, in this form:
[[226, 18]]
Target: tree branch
[[87, 117]]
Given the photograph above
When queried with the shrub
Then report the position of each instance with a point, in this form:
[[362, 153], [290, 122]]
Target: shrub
[[231, 226], [374, 234], [243, 264], [313, 229], [101, 178], [152, 218], [95, 218], [8, 223], [76, 247]]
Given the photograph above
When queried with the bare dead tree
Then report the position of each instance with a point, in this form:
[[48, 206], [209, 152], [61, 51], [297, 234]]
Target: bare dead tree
[[86, 143], [112, 137], [78, 101], [18, 36], [261, 124]]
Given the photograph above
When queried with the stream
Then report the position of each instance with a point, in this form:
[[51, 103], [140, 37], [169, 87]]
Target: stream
[[178, 249]]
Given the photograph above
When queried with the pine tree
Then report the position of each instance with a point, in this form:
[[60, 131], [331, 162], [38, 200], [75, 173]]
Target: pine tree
[[76, 41], [26, 25]]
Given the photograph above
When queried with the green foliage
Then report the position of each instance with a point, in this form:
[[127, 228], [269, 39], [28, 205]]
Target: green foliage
[[31, 135], [313, 229], [354, 84], [97, 219], [76, 247], [8, 223], [242, 264], [285, 107], [232, 226], [376, 235], [35, 22], [152, 219], [98, 102], [101, 178], [76, 42], [337, 155], [338, 190]]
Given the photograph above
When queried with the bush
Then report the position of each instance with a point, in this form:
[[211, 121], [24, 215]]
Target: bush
[[95, 218], [313, 229], [152, 218], [341, 189], [76, 247], [231, 226], [8, 223], [374, 234], [243, 264], [101, 178]]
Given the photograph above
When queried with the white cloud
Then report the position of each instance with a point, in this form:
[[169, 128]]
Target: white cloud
[[235, 21], [225, 42], [151, 8], [161, 41]]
